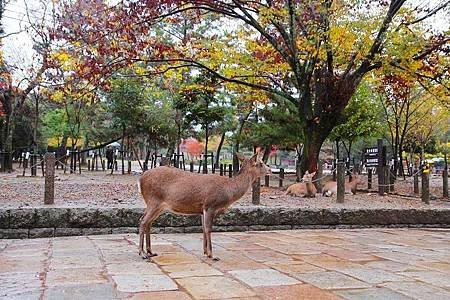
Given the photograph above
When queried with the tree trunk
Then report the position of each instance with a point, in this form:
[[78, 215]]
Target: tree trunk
[[219, 148], [267, 150], [205, 163], [315, 134]]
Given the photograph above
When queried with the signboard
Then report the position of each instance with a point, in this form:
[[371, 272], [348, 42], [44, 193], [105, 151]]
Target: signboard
[[371, 156]]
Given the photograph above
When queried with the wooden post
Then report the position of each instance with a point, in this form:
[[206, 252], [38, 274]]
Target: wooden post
[[25, 163], [280, 182], [200, 163], [416, 181], [191, 167], [49, 191], [319, 175], [391, 180], [42, 166], [230, 170], [33, 164], [89, 165], [387, 176], [103, 164], [380, 168], [445, 178], [79, 161], [369, 178], [256, 192], [221, 169], [266, 180], [340, 174], [425, 186], [123, 162], [129, 166]]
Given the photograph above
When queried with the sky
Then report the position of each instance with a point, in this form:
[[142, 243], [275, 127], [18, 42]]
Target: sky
[[18, 47]]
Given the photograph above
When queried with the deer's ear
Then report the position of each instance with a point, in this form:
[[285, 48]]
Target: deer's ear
[[307, 172], [240, 156], [254, 158], [313, 174]]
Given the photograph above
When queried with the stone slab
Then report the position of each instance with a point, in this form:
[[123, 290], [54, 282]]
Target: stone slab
[[214, 287], [263, 277], [143, 283], [371, 294], [332, 280], [88, 291], [294, 292]]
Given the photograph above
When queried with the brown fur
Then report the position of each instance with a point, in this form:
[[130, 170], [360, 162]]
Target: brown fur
[[303, 189], [167, 188], [330, 188]]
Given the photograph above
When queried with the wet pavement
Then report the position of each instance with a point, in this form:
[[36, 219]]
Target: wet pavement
[[294, 264]]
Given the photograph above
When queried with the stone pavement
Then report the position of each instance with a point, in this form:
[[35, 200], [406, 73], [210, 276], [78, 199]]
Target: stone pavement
[[295, 264]]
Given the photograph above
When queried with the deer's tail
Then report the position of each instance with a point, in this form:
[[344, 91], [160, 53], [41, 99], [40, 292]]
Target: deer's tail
[[139, 185]]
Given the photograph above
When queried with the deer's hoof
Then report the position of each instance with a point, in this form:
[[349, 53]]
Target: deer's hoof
[[216, 259], [151, 254]]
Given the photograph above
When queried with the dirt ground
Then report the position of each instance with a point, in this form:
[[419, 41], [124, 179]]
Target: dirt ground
[[100, 189]]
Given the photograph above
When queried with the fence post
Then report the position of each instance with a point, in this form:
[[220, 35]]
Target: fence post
[[319, 176], [369, 179], [33, 162], [79, 161], [230, 170], [266, 180], [221, 169], [191, 167], [280, 182], [387, 177], [256, 191], [416, 181], [340, 181], [445, 178], [49, 191], [425, 186], [42, 166], [200, 164], [89, 165], [380, 168], [392, 179], [129, 166]]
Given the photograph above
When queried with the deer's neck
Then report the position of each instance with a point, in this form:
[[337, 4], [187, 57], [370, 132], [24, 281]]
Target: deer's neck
[[239, 185], [309, 187]]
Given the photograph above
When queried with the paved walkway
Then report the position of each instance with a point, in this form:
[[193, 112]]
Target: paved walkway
[[299, 264]]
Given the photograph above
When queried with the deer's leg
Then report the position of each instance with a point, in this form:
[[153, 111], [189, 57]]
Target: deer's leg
[[141, 234], [144, 228], [204, 234], [209, 216]]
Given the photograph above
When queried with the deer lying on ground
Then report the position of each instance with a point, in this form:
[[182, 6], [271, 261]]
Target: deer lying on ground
[[168, 188], [303, 189], [330, 188]]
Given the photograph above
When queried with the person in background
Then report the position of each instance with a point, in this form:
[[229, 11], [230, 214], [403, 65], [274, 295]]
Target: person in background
[[109, 156]]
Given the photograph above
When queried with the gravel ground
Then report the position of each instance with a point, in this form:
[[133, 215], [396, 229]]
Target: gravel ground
[[98, 189]]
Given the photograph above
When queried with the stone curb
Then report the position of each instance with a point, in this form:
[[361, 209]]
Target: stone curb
[[48, 222]]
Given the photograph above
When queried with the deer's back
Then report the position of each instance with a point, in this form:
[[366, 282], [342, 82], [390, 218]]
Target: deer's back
[[297, 189], [180, 191]]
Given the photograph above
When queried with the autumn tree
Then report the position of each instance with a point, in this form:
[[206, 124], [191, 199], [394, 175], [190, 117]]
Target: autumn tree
[[13, 98], [312, 53], [360, 119]]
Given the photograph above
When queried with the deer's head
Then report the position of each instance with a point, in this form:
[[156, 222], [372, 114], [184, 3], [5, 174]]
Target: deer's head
[[253, 165], [308, 177]]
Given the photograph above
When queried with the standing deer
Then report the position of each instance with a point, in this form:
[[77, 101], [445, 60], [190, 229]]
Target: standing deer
[[330, 187], [167, 188], [305, 188]]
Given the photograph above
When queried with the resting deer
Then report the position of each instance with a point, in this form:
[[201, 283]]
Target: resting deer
[[330, 188], [305, 188], [167, 188]]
